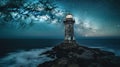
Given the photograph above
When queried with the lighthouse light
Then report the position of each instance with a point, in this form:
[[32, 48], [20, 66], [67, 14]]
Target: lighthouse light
[[69, 16]]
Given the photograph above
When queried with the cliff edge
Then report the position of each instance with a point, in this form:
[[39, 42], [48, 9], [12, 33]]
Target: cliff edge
[[73, 55]]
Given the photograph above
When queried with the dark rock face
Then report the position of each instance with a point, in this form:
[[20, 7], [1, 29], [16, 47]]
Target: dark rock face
[[72, 55]]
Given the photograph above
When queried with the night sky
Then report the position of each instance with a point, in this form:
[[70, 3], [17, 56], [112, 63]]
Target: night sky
[[44, 19]]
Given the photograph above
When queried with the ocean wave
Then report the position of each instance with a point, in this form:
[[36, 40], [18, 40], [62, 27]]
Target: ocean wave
[[22, 58]]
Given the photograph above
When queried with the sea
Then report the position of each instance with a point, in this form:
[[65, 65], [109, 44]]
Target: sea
[[16, 52]]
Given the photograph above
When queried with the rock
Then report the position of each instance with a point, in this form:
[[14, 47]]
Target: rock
[[73, 55]]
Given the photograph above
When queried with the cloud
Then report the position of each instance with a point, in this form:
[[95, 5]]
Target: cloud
[[31, 12], [21, 14], [29, 58]]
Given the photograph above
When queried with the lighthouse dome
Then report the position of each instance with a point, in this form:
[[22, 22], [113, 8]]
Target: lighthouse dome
[[69, 16]]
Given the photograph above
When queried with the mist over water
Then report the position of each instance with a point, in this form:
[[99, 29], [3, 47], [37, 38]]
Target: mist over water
[[29, 58], [26, 52]]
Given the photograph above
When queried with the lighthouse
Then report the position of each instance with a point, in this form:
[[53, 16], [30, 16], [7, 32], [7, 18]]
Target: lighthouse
[[69, 29], [69, 39]]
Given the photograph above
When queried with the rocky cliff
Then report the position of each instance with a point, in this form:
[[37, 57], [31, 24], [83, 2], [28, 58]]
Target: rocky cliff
[[73, 55]]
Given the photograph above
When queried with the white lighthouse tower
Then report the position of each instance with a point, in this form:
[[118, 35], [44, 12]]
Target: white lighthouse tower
[[69, 29]]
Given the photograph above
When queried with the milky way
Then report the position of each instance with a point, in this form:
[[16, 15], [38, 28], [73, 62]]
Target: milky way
[[34, 18]]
